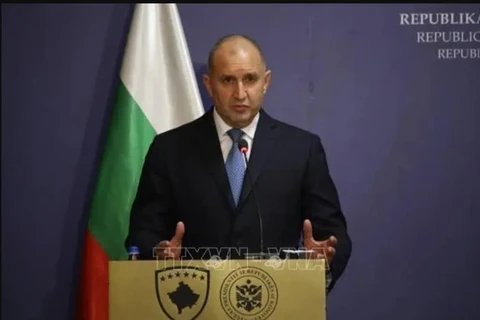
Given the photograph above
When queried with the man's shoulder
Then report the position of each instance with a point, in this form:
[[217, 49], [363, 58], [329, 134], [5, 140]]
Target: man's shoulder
[[294, 131], [183, 131]]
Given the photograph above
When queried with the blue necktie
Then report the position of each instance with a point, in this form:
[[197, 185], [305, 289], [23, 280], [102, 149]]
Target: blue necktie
[[235, 165]]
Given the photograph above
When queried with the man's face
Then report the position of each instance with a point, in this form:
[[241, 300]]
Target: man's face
[[237, 82]]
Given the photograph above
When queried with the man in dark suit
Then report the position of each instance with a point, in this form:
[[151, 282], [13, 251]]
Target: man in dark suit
[[194, 192]]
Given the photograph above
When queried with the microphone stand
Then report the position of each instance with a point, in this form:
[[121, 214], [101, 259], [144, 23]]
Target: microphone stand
[[243, 146]]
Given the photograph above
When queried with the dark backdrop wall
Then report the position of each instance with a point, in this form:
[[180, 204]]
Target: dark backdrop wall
[[397, 112]]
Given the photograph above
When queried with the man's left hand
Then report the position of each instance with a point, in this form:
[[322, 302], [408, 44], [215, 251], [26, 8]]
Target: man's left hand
[[321, 249]]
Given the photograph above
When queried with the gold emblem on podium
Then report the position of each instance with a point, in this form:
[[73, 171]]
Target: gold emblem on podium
[[249, 293], [182, 291]]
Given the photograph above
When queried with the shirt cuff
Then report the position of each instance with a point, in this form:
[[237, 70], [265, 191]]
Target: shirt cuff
[[328, 279]]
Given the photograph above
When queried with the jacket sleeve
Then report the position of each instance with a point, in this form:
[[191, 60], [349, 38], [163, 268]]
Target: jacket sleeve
[[151, 217], [322, 206]]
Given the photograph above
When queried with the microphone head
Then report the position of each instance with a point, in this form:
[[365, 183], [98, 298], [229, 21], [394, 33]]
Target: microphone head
[[243, 145]]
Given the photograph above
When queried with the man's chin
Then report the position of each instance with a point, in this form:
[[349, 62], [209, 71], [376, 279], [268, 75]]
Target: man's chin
[[242, 120]]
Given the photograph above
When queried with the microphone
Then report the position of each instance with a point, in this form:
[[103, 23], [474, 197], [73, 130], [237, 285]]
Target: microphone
[[243, 147]]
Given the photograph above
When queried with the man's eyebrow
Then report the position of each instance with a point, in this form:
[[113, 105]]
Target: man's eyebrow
[[248, 74]]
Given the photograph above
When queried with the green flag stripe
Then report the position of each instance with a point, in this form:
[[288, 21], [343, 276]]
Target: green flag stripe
[[129, 137]]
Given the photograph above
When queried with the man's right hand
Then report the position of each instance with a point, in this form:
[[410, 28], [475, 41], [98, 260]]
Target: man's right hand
[[170, 249]]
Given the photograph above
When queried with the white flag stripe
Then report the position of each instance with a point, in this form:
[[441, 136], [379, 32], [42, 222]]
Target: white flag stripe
[[157, 69]]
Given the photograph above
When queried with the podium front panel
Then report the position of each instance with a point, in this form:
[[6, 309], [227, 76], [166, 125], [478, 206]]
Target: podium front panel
[[211, 290]]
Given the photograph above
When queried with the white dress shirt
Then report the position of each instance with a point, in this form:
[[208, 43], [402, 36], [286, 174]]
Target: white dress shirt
[[226, 141]]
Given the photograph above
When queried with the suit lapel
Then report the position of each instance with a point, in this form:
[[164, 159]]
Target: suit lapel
[[211, 154], [262, 148]]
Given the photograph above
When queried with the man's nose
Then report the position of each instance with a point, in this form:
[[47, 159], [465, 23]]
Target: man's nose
[[240, 92]]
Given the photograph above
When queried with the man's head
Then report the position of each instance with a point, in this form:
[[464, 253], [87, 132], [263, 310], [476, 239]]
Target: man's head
[[237, 79]]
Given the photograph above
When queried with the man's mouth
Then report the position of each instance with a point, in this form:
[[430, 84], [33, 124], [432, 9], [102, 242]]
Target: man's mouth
[[240, 107]]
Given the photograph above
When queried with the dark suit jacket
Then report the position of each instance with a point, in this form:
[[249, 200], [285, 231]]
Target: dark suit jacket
[[184, 179]]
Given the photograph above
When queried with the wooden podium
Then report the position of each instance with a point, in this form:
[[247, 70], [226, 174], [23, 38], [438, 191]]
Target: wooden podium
[[217, 289]]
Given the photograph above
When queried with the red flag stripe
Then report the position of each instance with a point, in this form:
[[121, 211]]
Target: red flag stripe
[[93, 288]]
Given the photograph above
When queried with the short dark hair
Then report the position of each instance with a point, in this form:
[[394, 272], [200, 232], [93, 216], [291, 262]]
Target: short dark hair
[[225, 39]]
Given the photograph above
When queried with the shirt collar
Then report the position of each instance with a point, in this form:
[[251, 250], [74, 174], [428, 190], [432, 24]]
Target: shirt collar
[[222, 127]]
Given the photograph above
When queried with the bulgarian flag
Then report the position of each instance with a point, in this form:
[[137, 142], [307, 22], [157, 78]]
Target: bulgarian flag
[[157, 92]]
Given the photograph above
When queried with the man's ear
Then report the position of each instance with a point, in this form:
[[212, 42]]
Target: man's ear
[[268, 75], [207, 84]]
